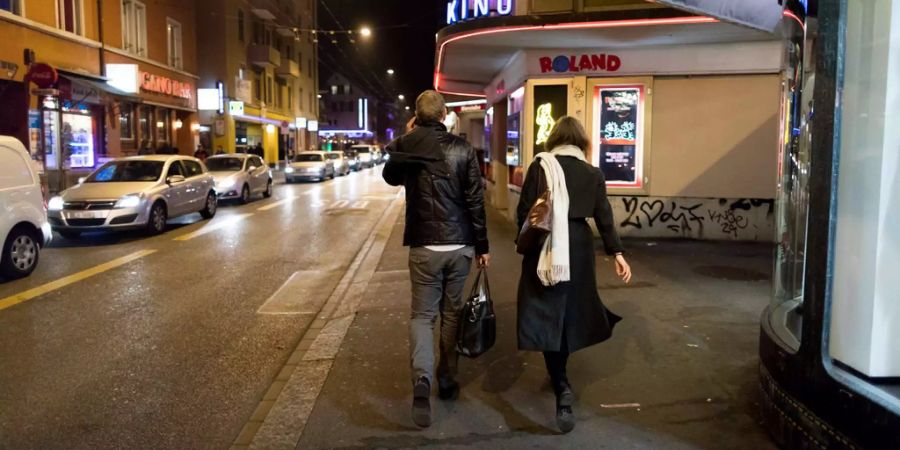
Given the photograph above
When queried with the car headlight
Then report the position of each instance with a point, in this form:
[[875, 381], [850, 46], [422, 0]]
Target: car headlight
[[226, 183], [288, 169], [129, 201], [55, 204]]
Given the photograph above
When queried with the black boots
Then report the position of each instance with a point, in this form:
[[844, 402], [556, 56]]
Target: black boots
[[421, 407], [565, 416], [448, 390]]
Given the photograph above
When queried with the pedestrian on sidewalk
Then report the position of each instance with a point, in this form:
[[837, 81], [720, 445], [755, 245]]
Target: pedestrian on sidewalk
[[559, 311], [446, 229]]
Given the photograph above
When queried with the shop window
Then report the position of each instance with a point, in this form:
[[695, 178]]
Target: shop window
[[162, 127], [146, 127], [126, 121], [334, 90], [619, 126], [551, 102], [77, 138], [134, 27], [240, 19], [173, 38], [70, 16], [13, 6]]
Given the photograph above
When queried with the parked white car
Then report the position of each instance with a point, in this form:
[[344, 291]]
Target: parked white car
[[135, 192], [23, 219], [341, 163], [240, 176]]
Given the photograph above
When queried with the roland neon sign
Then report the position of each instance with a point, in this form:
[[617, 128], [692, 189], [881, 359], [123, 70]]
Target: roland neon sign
[[463, 10]]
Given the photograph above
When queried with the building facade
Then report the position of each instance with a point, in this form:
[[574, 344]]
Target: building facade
[[84, 85], [683, 110], [349, 113], [263, 66]]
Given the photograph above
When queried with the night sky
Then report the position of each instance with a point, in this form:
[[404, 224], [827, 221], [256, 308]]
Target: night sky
[[403, 39]]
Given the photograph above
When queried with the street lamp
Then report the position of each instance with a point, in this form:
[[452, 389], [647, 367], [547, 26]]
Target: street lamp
[[365, 32], [390, 71], [401, 97], [407, 108]]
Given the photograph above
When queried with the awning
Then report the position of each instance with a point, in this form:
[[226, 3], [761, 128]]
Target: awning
[[91, 85], [760, 14]]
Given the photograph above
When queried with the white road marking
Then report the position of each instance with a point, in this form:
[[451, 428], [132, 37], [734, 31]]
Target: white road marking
[[362, 204], [339, 204], [213, 227], [303, 293]]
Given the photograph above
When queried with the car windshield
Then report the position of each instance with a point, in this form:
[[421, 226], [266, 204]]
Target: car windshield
[[361, 149], [334, 156], [127, 171], [308, 157], [225, 164]]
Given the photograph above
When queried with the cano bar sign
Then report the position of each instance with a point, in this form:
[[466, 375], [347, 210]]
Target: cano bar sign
[[463, 10], [164, 85], [580, 63]]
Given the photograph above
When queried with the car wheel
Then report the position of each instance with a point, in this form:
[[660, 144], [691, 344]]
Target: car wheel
[[69, 234], [156, 222], [245, 195], [21, 253], [212, 205], [268, 192]]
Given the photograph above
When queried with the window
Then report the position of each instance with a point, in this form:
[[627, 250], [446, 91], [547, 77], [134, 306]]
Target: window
[[241, 25], [258, 86], [300, 61], [134, 27], [13, 6], [346, 89], [162, 126], [334, 90], [270, 94], [70, 16], [193, 168], [126, 121], [300, 98], [173, 37], [175, 169], [290, 102]]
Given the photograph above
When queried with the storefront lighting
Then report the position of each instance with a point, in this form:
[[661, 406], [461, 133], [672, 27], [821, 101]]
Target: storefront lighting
[[160, 124], [124, 77], [195, 127], [574, 25], [178, 124], [270, 128], [301, 123]]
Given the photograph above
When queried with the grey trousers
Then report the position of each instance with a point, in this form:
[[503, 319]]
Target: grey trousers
[[438, 280]]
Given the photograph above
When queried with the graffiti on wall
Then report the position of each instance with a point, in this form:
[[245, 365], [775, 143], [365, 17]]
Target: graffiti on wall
[[733, 219]]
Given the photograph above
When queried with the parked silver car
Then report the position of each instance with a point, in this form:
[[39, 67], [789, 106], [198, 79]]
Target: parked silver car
[[341, 163], [240, 176], [309, 166], [135, 192]]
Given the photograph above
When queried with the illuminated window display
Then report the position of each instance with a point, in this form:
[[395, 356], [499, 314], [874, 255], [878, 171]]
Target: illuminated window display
[[618, 134], [550, 103], [77, 137]]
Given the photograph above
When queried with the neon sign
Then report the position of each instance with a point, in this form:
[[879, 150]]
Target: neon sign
[[584, 63], [545, 121], [459, 10]]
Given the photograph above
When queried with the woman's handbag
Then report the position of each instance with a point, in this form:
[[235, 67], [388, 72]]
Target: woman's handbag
[[538, 224], [477, 322]]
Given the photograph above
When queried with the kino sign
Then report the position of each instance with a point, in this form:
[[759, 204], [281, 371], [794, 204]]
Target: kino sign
[[462, 10]]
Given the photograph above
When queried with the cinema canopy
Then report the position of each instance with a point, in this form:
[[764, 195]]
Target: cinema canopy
[[681, 106]]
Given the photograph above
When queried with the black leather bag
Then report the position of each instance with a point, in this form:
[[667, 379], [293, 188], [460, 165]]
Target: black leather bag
[[539, 223], [477, 322]]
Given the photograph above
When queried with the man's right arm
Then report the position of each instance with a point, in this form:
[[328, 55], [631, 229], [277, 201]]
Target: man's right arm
[[393, 173], [475, 202]]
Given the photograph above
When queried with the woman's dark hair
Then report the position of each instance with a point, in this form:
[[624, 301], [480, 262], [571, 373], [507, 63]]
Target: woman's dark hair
[[567, 131]]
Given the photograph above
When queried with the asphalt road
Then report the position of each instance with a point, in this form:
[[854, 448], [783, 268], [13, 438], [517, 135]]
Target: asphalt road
[[168, 350]]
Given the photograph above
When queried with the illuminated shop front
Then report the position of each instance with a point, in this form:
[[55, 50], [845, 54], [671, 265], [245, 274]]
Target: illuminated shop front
[[828, 342], [683, 110]]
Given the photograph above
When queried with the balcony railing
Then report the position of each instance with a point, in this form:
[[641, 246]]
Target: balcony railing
[[263, 56], [288, 69]]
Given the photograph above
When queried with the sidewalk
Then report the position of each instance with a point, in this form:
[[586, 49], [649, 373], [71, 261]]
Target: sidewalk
[[685, 353]]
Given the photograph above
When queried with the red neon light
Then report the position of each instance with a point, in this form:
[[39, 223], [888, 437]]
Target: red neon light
[[790, 14], [573, 25]]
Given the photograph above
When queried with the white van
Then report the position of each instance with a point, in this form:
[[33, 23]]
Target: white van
[[23, 218]]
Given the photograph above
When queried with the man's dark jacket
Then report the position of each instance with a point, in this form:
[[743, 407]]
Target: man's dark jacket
[[444, 194]]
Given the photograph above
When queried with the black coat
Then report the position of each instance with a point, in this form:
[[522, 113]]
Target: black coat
[[444, 192], [574, 307]]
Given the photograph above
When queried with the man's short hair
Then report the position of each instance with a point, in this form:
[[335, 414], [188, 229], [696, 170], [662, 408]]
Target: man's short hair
[[430, 107]]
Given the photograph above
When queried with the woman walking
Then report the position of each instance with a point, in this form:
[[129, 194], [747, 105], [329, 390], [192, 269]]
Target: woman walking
[[559, 310]]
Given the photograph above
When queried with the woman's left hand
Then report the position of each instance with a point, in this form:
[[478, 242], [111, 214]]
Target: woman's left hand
[[623, 270]]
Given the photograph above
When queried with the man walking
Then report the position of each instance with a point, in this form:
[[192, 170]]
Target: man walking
[[445, 230]]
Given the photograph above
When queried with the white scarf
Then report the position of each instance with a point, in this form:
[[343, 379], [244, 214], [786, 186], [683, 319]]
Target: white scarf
[[553, 266]]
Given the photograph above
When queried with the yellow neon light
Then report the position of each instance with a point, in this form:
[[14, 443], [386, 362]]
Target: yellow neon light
[[545, 121]]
